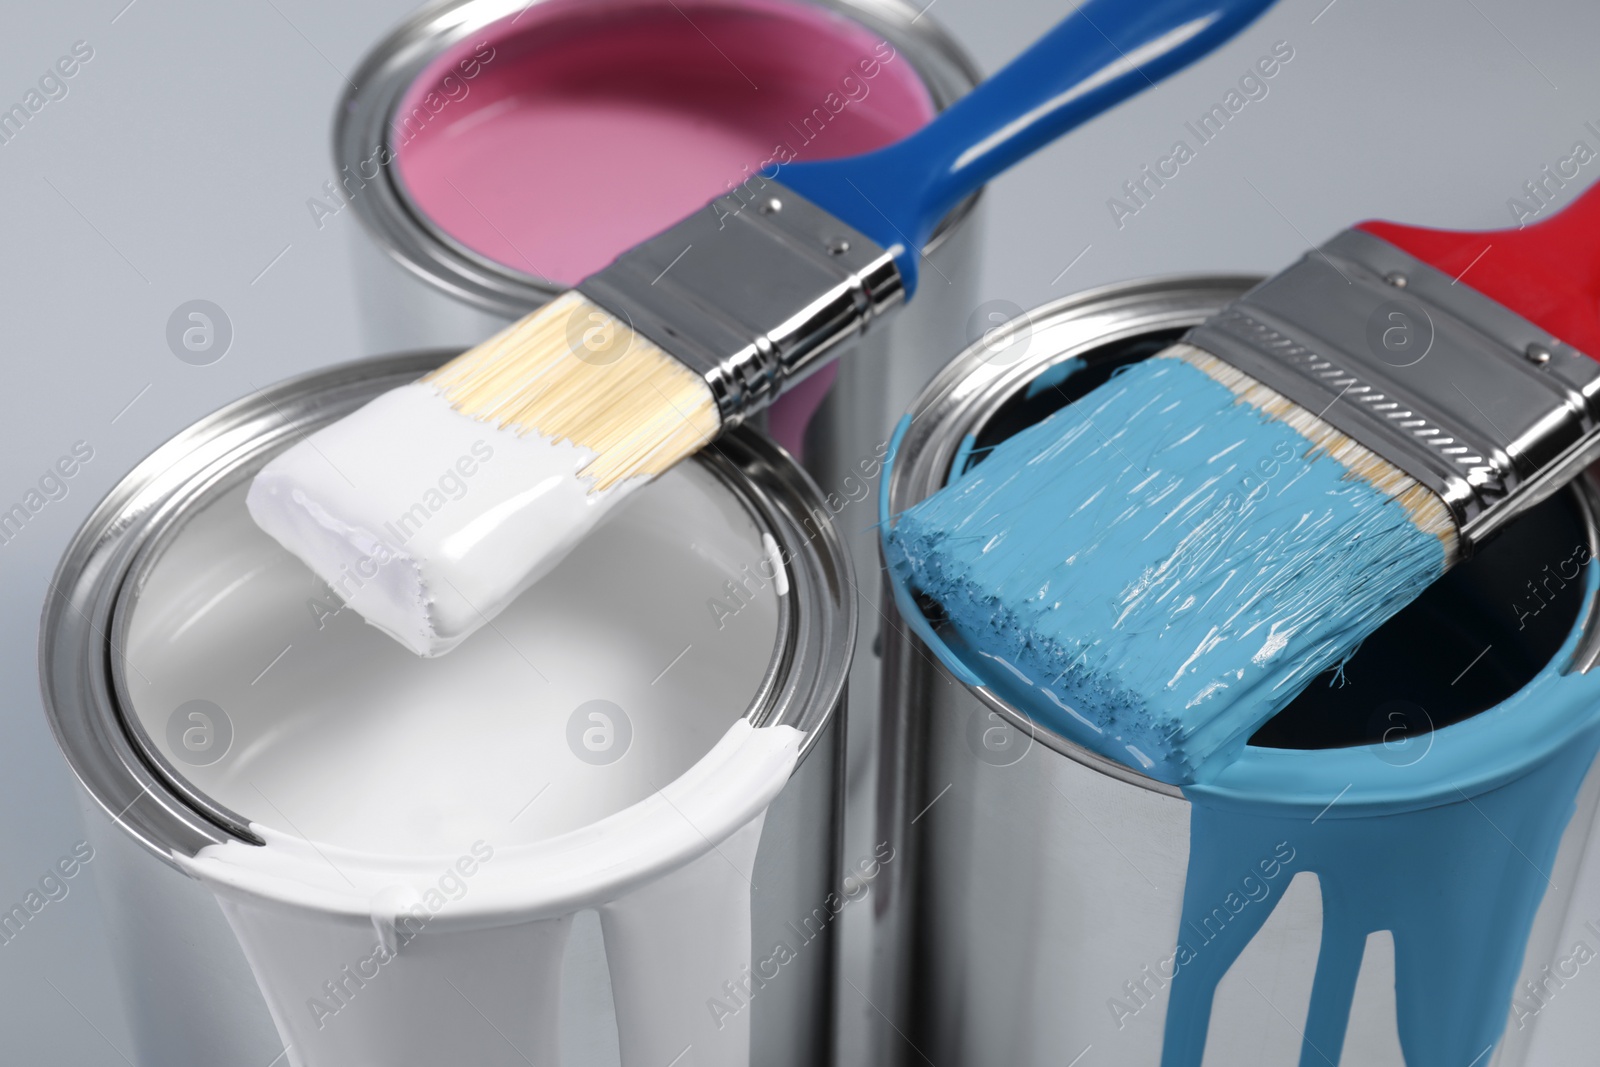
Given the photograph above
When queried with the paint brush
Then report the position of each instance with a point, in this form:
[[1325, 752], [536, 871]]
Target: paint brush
[[431, 508], [1163, 564]]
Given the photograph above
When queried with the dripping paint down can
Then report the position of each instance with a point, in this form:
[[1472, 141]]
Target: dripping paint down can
[[647, 109], [623, 835], [1047, 904]]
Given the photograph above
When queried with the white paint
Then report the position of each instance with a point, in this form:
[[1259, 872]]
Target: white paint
[[434, 535], [780, 573], [430, 833], [657, 930]]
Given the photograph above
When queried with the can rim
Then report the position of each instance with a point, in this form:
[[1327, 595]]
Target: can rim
[[362, 127], [85, 614], [974, 384]]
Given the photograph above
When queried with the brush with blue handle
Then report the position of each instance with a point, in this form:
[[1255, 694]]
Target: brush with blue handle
[[1165, 563], [562, 414]]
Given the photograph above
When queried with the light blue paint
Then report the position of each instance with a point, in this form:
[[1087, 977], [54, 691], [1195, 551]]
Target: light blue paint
[[1053, 376], [1166, 566], [1452, 852], [903, 599], [963, 455], [1453, 855]]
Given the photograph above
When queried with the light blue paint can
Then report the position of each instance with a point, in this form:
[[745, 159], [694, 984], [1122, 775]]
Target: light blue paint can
[[1398, 872]]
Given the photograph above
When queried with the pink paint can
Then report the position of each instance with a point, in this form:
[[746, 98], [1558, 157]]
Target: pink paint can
[[500, 152]]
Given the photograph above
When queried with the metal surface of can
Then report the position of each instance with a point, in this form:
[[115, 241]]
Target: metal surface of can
[[1041, 886], [191, 996], [418, 287]]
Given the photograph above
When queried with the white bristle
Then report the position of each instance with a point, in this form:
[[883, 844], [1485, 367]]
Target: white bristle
[[571, 371]]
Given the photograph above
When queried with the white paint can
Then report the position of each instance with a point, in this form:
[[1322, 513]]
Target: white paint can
[[605, 833]]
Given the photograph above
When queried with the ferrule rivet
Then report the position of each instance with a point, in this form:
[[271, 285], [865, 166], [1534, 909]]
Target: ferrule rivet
[[838, 246], [771, 207], [1396, 279], [1538, 353]]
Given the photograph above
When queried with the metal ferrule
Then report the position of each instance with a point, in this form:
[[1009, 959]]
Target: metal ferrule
[[1473, 401], [752, 291]]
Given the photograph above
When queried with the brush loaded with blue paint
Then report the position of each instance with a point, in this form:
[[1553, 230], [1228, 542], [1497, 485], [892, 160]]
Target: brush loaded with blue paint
[[1167, 562]]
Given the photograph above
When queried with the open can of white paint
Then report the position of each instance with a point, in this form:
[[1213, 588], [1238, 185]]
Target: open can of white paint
[[606, 833], [638, 112], [1052, 906]]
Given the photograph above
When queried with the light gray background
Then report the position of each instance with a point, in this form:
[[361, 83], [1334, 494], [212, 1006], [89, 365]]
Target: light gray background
[[180, 162]]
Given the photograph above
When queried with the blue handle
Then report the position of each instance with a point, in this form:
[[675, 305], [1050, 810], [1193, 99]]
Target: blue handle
[[1101, 54]]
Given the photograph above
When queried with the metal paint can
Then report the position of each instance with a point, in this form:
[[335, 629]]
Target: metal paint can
[[150, 808], [419, 287], [1040, 885]]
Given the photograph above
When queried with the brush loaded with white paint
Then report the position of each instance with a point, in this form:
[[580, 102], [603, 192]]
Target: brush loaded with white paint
[[687, 335], [1173, 557]]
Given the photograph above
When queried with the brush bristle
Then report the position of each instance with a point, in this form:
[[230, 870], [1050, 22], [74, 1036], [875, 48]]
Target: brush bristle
[[1162, 565], [572, 371], [1428, 513]]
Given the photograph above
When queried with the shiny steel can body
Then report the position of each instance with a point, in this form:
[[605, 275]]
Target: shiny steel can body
[[190, 994], [1042, 885]]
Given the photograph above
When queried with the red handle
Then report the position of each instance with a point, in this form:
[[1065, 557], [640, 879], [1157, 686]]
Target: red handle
[[1549, 273]]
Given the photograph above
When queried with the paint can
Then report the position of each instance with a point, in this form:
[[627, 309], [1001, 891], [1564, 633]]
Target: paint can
[[653, 108], [770, 76], [1051, 906], [304, 863]]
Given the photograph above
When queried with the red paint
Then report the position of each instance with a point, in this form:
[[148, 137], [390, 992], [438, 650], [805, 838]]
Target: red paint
[[1549, 273]]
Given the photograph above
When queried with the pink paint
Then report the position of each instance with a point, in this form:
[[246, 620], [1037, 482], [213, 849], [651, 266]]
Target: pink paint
[[555, 139]]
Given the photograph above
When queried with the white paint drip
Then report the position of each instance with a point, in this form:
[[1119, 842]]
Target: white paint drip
[[431, 826], [354, 952]]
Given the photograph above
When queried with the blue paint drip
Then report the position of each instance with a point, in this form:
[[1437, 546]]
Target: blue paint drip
[[1451, 851], [1453, 854], [1164, 566]]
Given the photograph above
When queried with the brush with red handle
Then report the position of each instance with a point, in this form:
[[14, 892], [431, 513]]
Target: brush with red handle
[[1177, 554]]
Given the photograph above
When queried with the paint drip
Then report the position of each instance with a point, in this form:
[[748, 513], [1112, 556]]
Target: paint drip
[[438, 834], [1453, 854], [374, 959]]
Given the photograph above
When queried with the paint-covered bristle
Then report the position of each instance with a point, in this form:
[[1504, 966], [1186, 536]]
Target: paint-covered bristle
[[572, 372], [1158, 568], [555, 421], [1427, 511]]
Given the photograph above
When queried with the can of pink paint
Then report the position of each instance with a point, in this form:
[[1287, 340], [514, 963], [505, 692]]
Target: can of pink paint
[[1050, 906], [608, 833], [496, 151]]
